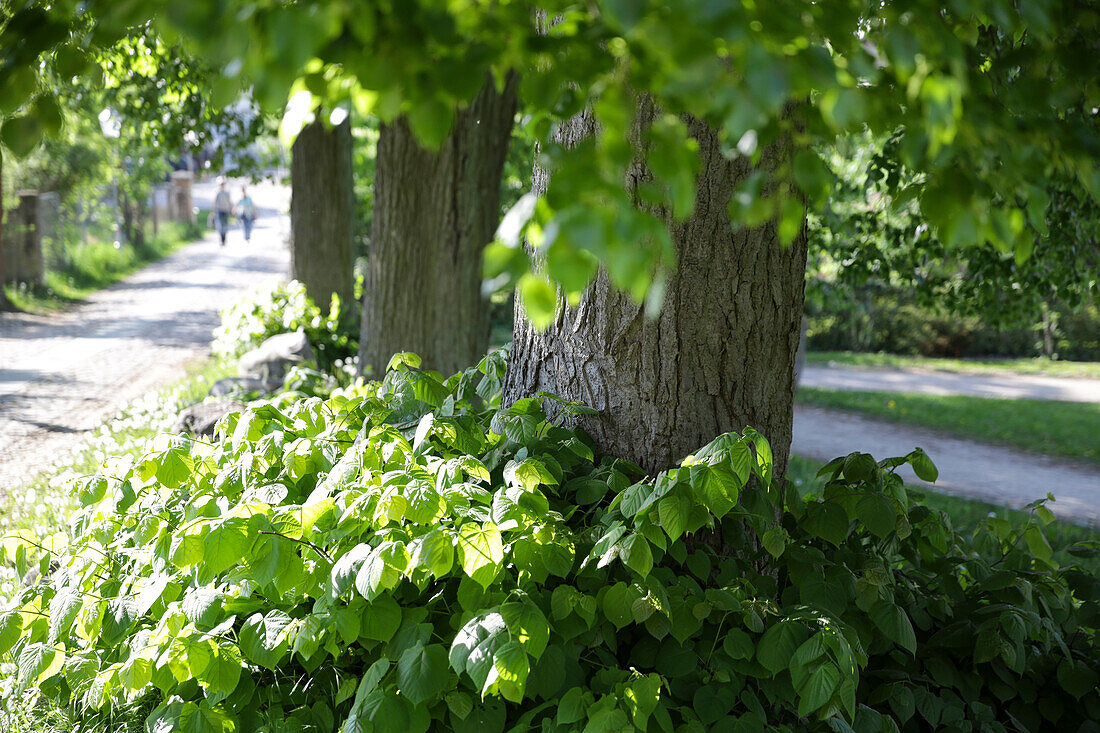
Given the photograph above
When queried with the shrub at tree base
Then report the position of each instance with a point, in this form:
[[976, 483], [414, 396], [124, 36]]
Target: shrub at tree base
[[407, 556], [286, 309]]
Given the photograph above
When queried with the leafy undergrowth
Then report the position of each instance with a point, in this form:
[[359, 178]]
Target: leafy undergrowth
[[405, 556], [968, 515], [1066, 429], [1037, 365], [96, 265], [334, 336]]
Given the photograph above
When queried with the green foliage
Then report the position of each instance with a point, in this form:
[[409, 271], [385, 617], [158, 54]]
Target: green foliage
[[406, 555], [872, 248], [989, 102], [334, 336]]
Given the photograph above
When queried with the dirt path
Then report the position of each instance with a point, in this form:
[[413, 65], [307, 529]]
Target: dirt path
[[995, 474], [64, 374], [922, 381]]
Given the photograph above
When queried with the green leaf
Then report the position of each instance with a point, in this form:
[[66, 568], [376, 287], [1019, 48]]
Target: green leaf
[[64, 607], [225, 546], [381, 619], [263, 640], [480, 551], [894, 622], [636, 554], [828, 521], [819, 686], [539, 298], [436, 552], [423, 672], [779, 643], [1037, 543], [572, 707], [528, 626], [673, 512], [923, 466], [511, 667], [878, 514], [775, 541], [382, 569]]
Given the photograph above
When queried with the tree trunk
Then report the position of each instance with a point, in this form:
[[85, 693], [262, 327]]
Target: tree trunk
[[433, 214], [3, 277], [719, 357], [322, 212]]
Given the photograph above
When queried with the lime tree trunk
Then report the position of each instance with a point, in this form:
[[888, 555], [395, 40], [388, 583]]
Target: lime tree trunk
[[434, 212], [322, 211], [719, 357]]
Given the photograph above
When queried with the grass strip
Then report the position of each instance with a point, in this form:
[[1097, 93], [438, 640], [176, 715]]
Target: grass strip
[[1067, 429], [1037, 365]]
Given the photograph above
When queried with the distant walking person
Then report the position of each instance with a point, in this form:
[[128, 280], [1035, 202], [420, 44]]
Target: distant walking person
[[246, 212], [223, 207]]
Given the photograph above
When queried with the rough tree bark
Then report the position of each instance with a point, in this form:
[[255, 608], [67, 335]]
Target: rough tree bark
[[3, 295], [433, 214], [718, 358], [322, 212]]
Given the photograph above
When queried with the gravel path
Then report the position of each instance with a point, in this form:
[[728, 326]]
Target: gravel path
[[64, 374], [995, 474], [923, 381]]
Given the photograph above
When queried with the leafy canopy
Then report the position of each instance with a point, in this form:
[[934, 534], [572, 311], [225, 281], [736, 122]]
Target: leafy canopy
[[989, 99]]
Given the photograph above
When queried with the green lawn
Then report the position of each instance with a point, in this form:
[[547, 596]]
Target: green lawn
[[962, 366], [1067, 429], [96, 265]]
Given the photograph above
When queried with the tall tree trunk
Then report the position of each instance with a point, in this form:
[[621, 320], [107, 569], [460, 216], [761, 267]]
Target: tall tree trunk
[[322, 211], [719, 357], [433, 214], [3, 277]]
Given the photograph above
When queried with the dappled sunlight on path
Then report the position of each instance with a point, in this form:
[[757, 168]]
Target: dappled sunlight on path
[[63, 374]]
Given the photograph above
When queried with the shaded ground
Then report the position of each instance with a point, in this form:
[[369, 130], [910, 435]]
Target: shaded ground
[[64, 374]]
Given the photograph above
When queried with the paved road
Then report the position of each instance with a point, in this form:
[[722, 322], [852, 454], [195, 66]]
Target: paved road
[[996, 474], [64, 374], [925, 381]]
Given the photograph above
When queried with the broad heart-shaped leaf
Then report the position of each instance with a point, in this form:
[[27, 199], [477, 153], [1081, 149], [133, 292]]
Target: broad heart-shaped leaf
[[480, 551], [818, 688], [877, 513], [262, 638], [474, 645], [203, 606], [673, 512], [225, 546], [636, 554], [381, 619], [893, 621], [11, 626], [202, 718], [63, 610], [779, 643], [828, 521], [511, 667], [434, 552], [224, 670], [346, 568], [382, 569], [527, 625], [423, 672]]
